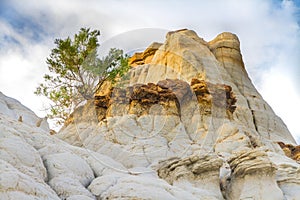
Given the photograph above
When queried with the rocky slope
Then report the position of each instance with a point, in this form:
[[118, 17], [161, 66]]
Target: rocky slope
[[185, 123]]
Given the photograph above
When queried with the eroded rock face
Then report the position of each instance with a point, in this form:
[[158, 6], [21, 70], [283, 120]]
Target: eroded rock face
[[185, 56], [291, 151], [14, 109], [201, 172], [146, 56], [184, 123], [170, 96], [287, 175], [253, 175], [189, 110], [226, 48]]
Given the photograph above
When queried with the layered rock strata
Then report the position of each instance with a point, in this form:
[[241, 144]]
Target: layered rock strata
[[184, 123], [169, 95], [189, 104], [291, 151], [201, 172], [144, 57], [252, 175]]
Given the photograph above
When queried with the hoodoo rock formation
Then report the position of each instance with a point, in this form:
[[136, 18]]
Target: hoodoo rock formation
[[185, 122]]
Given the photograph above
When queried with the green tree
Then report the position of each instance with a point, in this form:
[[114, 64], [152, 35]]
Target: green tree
[[110, 67], [76, 71]]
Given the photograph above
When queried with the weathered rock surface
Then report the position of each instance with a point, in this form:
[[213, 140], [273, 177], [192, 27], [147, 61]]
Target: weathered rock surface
[[146, 56], [15, 110], [184, 123], [170, 96], [291, 151], [252, 175], [201, 173]]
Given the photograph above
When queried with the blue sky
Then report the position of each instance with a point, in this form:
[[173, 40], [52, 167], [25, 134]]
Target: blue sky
[[268, 30]]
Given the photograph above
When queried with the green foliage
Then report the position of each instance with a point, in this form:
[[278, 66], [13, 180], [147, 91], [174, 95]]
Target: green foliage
[[112, 66], [119, 68], [75, 72]]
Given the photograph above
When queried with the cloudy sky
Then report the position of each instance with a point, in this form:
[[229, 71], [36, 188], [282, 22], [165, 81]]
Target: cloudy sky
[[269, 32]]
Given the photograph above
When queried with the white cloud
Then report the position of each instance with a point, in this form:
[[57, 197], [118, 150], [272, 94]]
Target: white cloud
[[268, 31], [22, 65], [279, 92]]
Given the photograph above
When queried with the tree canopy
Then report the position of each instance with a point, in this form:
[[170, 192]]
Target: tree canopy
[[75, 71]]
